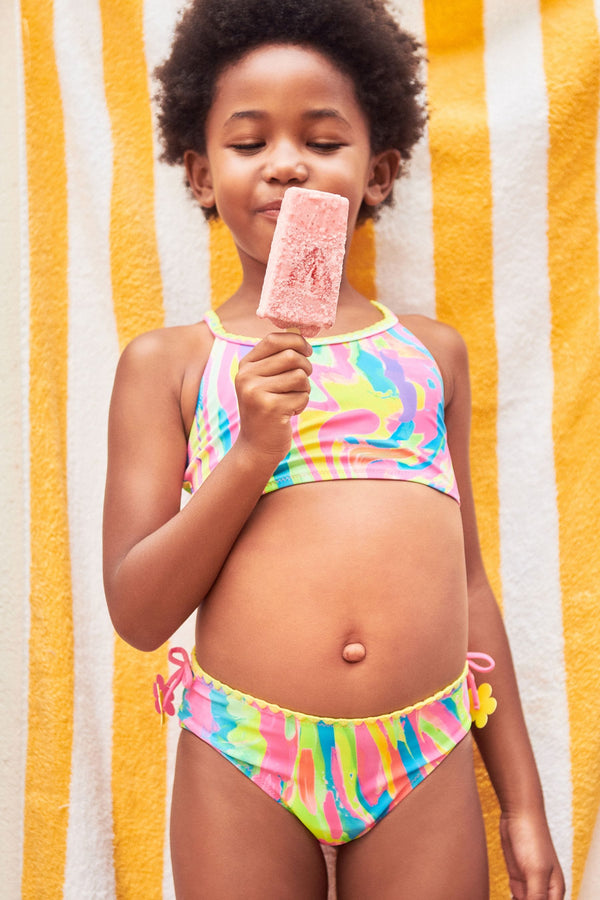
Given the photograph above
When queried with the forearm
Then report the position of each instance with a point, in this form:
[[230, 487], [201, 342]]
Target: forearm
[[503, 742], [165, 576]]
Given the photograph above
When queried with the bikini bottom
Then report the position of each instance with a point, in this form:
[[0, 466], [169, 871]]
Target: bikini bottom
[[339, 777]]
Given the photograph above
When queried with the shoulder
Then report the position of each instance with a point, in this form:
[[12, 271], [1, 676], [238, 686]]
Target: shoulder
[[165, 365], [166, 348], [166, 355], [445, 344]]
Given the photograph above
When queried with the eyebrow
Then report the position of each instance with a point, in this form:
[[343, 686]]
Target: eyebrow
[[310, 115]]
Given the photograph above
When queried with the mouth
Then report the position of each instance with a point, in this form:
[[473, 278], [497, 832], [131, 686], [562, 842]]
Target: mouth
[[270, 209]]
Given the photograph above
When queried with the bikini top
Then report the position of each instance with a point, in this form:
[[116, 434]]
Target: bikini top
[[376, 410]]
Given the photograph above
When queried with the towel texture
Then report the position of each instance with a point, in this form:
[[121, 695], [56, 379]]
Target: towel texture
[[494, 231]]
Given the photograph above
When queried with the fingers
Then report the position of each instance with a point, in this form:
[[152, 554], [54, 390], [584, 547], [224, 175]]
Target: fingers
[[533, 867], [532, 885], [278, 366], [272, 386], [537, 888], [557, 886], [540, 885], [278, 375], [279, 363], [279, 341]]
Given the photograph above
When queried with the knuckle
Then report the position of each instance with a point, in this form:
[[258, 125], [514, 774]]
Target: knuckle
[[241, 386], [250, 394], [273, 341], [289, 358]]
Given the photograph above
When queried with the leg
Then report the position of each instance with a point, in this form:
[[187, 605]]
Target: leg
[[229, 839], [430, 847]]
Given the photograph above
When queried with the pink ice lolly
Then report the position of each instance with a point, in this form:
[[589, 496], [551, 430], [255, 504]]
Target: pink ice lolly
[[304, 269]]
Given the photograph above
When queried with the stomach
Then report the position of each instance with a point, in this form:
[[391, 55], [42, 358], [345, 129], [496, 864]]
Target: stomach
[[324, 565]]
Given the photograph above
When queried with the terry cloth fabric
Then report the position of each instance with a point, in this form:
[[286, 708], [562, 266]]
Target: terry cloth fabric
[[495, 231]]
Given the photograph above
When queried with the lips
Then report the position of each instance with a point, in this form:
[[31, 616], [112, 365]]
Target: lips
[[271, 208]]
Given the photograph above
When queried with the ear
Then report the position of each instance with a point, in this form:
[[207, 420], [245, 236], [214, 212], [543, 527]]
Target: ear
[[382, 174], [198, 174]]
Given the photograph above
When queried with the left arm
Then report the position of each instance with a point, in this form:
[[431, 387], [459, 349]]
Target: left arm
[[504, 743]]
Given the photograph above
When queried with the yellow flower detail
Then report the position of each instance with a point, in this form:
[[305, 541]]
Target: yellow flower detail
[[487, 704]]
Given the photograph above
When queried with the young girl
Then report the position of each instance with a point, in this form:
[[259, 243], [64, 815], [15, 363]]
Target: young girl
[[330, 545]]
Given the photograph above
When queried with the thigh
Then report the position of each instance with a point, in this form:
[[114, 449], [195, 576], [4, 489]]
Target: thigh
[[429, 847], [229, 839]]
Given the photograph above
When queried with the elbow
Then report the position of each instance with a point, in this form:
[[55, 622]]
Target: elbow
[[146, 643], [139, 634], [138, 638], [133, 613]]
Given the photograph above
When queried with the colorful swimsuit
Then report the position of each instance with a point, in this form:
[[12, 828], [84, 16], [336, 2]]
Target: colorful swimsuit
[[376, 410], [339, 777]]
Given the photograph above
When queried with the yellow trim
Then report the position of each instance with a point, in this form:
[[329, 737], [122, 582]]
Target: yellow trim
[[139, 755], [327, 720], [463, 252], [51, 680], [388, 319], [571, 54]]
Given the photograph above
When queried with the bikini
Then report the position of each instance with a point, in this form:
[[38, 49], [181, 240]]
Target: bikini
[[376, 410]]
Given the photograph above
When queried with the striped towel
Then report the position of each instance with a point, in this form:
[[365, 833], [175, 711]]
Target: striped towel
[[495, 231]]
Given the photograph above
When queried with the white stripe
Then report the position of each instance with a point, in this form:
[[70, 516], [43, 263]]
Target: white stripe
[[14, 453], [518, 117], [182, 233], [93, 350], [404, 235]]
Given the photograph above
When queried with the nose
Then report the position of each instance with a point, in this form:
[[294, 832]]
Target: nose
[[285, 164]]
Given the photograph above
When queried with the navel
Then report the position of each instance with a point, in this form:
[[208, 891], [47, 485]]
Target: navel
[[354, 652]]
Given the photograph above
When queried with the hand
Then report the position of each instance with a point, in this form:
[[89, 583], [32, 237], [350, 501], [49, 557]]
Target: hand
[[533, 867], [273, 385]]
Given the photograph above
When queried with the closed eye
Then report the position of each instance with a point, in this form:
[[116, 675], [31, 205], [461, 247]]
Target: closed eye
[[325, 146], [248, 146]]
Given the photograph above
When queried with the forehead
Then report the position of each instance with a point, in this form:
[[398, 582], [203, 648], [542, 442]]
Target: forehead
[[301, 76]]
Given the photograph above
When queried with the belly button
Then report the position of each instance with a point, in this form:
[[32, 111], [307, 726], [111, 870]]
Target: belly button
[[354, 652]]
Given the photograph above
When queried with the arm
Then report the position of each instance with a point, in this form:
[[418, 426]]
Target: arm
[[160, 562], [533, 867]]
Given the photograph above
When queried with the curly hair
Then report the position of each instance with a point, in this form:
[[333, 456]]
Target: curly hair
[[359, 36]]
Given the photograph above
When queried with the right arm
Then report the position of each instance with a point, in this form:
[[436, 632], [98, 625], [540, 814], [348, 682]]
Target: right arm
[[160, 562]]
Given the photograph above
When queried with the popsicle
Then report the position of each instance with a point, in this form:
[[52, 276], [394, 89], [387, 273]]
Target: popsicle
[[304, 269]]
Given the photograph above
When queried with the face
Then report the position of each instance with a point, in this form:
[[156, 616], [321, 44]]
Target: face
[[284, 115]]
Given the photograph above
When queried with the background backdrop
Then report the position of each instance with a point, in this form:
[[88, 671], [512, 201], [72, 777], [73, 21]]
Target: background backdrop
[[495, 231]]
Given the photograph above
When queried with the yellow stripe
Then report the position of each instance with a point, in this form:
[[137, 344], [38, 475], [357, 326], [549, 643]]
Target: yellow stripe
[[50, 719], [139, 746], [225, 266], [571, 61], [361, 261], [462, 220], [226, 269], [136, 278]]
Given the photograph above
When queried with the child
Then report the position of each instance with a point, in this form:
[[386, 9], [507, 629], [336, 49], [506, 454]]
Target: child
[[330, 545]]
